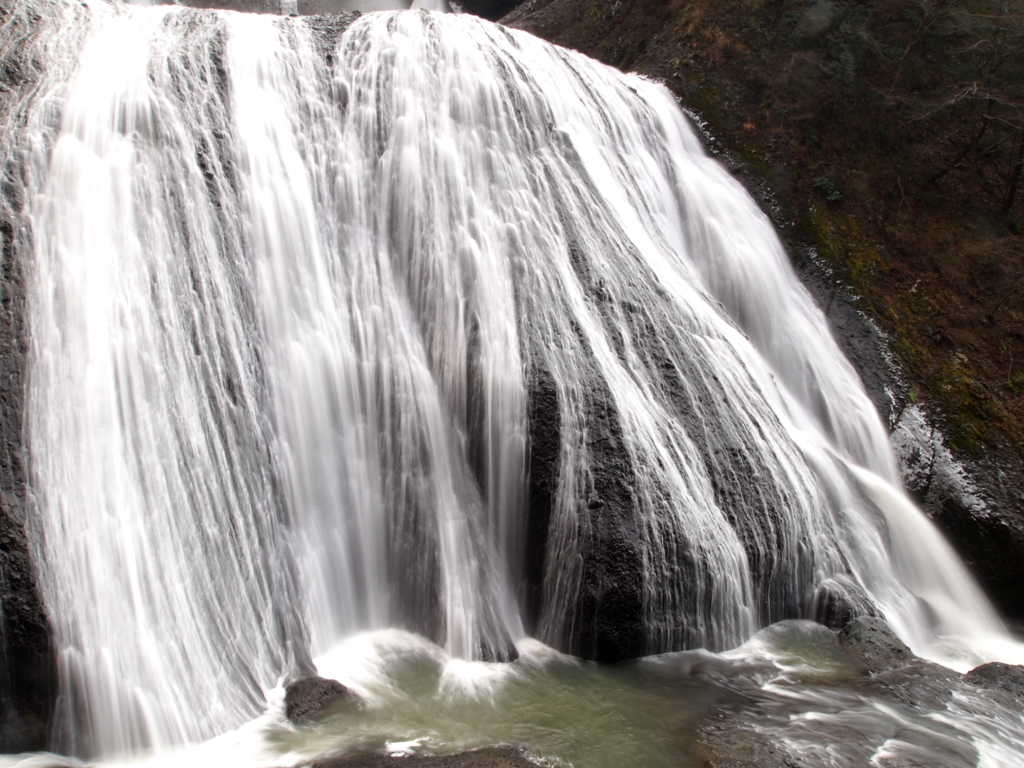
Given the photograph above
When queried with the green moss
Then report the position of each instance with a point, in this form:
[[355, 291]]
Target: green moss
[[707, 102], [851, 257], [1015, 385], [965, 402], [828, 188], [951, 382]]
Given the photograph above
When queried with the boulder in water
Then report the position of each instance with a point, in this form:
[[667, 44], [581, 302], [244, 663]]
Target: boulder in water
[[996, 675], [312, 697], [874, 642], [895, 671], [838, 601], [849, 713]]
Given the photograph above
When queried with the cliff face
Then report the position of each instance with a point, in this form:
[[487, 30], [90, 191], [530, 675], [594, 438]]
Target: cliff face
[[885, 138], [27, 656]]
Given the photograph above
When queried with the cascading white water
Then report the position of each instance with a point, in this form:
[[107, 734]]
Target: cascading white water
[[167, 575], [291, 318]]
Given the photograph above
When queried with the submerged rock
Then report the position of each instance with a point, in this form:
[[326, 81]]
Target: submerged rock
[[313, 697], [726, 747], [847, 718]]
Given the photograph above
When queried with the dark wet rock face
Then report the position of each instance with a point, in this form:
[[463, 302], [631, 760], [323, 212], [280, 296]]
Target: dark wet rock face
[[844, 718], [610, 604], [603, 621], [28, 675], [490, 757], [544, 428], [978, 502], [314, 697]]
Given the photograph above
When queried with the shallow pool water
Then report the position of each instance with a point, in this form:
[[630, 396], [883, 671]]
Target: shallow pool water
[[791, 686]]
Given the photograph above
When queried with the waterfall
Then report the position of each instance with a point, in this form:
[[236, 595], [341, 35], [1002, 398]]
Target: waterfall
[[413, 320]]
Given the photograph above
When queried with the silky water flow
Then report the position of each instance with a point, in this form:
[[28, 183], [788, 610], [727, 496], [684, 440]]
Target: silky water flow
[[296, 301]]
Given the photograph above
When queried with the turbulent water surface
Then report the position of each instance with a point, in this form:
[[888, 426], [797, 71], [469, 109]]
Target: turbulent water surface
[[413, 321]]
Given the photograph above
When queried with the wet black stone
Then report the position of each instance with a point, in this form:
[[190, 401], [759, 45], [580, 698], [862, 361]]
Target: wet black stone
[[895, 671], [544, 428], [875, 644], [839, 601], [313, 697], [609, 611], [996, 675], [919, 684], [606, 618]]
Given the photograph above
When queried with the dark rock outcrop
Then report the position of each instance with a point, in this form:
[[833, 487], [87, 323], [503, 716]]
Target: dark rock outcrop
[[489, 757], [28, 674], [823, 716], [313, 697], [611, 598], [605, 622], [488, 9], [544, 428], [896, 673]]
